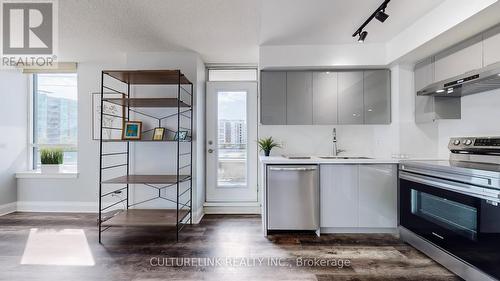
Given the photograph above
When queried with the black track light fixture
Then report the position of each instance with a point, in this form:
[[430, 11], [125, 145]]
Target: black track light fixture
[[362, 36], [379, 14]]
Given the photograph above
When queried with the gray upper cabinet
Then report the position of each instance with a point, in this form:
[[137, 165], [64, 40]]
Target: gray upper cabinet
[[350, 97], [377, 97], [325, 90], [273, 98], [424, 74], [491, 46], [299, 98], [459, 59], [325, 97]]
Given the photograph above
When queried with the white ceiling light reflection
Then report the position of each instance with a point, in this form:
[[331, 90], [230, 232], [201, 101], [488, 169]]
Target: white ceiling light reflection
[[57, 247]]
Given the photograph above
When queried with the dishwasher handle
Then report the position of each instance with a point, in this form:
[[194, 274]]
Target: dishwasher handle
[[292, 168]]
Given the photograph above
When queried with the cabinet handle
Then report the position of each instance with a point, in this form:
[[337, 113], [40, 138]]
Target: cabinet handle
[[291, 169]]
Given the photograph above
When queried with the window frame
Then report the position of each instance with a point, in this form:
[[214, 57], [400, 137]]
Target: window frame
[[32, 146], [234, 76]]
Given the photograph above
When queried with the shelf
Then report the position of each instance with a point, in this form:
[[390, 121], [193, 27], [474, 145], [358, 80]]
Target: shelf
[[151, 77], [146, 217], [146, 102], [147, 179], [120, 140]]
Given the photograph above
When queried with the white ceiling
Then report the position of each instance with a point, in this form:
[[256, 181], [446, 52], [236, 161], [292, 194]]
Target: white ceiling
[[222, 30], [302, 22]]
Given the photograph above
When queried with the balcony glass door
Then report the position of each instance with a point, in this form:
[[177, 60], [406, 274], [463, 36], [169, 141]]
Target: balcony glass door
[[231, 142]]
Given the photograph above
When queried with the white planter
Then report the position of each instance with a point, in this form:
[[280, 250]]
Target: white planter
[[51, 169]]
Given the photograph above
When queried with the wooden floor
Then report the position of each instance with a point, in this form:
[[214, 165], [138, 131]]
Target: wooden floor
[[126, 254]]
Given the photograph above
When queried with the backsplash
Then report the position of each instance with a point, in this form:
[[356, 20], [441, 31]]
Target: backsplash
[[365, 140]]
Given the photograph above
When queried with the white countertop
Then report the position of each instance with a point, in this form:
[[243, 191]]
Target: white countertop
[[318, 160]]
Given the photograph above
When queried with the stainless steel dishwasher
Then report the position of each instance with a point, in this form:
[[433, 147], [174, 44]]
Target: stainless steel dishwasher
[[292, 197]]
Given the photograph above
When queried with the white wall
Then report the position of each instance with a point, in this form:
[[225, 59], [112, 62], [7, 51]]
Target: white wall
[[319, 56], [81, 194], [480, 117], [411, 139], [13, 141]]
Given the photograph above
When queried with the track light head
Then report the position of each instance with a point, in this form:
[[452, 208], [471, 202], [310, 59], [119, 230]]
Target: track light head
[[362, 36], [381, 15]]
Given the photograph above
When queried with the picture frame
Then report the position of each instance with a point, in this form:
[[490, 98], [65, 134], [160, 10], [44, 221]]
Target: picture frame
[[181, 135], [109, 121], [158, 134], [132, 130]]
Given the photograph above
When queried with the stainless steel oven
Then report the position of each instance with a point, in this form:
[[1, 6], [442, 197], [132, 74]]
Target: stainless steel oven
[[454, 205]]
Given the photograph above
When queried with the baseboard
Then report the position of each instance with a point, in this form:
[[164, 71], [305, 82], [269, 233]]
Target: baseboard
[[254, 210], [8, 208], [198, 216], [57, 206]]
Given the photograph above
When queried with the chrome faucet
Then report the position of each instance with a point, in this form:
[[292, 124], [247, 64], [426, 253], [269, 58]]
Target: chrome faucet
[[335, 152]]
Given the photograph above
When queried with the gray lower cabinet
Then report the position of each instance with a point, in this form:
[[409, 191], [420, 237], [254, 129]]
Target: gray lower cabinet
[[273, 98], [491, 45], [459, 59], [377, 97], [299, 108], [378, 196], [325, 94], [350, 97], [339, 196], [358, 196]]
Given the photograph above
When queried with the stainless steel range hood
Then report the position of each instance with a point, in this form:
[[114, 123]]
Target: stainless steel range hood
[[477, 81]]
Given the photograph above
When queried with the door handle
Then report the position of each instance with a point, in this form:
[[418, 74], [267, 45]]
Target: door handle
[[210, 150]]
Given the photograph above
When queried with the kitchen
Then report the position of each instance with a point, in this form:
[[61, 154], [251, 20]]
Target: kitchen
[[344, 191], [252, 140]]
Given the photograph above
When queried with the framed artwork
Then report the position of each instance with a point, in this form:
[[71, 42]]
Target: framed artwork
[[158, 134], [113, 120], [132, 130], [181, 135]]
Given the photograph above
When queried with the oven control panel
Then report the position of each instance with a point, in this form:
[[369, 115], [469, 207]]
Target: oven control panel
[[474, 143]]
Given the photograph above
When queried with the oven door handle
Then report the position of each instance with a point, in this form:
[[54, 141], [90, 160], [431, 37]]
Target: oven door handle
[[464, 178], [466, 189]]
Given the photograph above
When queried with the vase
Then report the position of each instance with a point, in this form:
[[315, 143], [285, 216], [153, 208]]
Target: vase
[[51, 168], [267, 152]]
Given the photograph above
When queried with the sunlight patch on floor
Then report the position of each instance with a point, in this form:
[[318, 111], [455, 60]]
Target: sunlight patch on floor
[[57, 247]]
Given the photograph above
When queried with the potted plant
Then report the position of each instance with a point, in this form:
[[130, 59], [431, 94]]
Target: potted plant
[[266, 144], [52, 159]]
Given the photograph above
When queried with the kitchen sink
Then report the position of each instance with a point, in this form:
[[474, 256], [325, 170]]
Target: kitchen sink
[[344, 157], [297, 157]]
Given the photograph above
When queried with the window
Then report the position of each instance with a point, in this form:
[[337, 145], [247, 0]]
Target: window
[[244, 74], [55, 115]]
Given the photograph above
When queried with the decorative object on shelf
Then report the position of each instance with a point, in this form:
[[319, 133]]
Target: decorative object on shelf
[[113, 119], [132, 130], [158, 134], [266, 144], [181, 135], [51, 159]]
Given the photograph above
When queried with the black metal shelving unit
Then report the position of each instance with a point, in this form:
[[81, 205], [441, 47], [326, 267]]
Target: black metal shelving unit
[[110, 199]]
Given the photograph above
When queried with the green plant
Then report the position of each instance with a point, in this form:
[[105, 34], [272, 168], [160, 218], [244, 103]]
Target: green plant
[[51, 156], [266, 144]]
